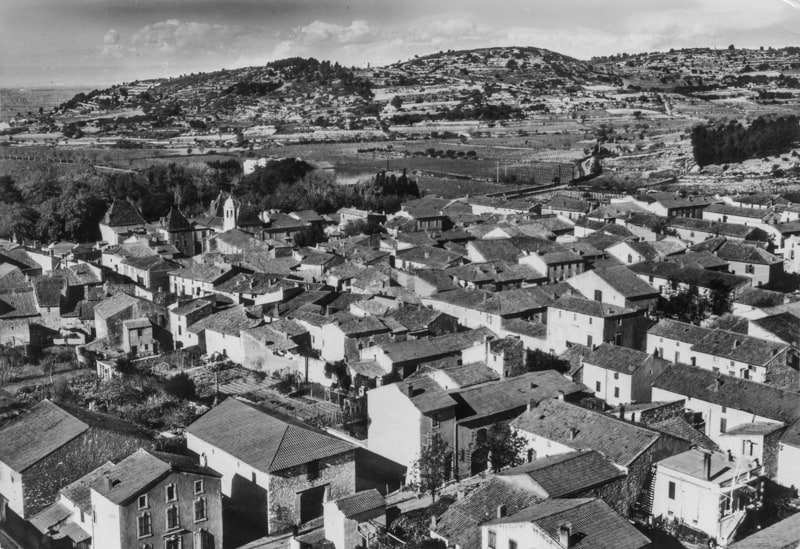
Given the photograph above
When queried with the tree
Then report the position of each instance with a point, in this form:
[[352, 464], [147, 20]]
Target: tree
[[505, 447], [539, 360], [432, 469], [10, 359], [180, 386], [397, 102]]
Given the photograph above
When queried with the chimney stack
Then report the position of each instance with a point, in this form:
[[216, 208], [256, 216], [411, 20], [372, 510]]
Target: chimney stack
[[410, 390], [573, 432], [109, 483], [564, 533], [434, 522], [501, 511], [560, 395]]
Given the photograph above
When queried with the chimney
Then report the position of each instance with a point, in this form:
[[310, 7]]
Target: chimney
[[560, 395], [531, 404], [410, 390], [573, 432], [434, 522], [707, 464], [109, 483], [730, 455], [564, 533], [501, 511], [622, 412]]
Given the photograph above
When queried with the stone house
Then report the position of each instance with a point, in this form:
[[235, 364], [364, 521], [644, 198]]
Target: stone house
[[67, 443], [619, 375], [276, 470]]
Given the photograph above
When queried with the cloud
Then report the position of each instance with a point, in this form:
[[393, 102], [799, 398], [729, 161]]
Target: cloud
[[175, 36], [111, 46]]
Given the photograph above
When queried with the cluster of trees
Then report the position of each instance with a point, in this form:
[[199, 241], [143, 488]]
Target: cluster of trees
[[322, 72], [689, 305], [47, 206], [291, 184], [731, 142], [463, 112]]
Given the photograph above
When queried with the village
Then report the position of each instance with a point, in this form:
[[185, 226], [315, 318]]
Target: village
[[545, 368]]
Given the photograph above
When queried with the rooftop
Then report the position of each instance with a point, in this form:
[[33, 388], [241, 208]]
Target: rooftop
[[732, 392], [567, 474], [590, 307], [579, 428], [739, 347], [619, 359], [594, 525], [679, 331], [122, 213], [264, 440]]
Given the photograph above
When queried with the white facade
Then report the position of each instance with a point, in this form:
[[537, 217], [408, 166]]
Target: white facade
[[11, 489], [394, 425], [106, 531], [225, 464], [613, 387], [788, 472]]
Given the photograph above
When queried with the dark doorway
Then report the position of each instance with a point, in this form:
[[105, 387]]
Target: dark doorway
[[311, 503]]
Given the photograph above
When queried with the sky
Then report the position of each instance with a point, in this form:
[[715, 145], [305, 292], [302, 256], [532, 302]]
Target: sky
[[91, 43]]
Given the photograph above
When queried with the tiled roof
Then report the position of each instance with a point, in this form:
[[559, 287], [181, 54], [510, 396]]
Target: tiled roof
[[246, 283], [141, 470], [460, 524], [114, 304], [732, 392], [49, 426], [625, 281], [122, 213], [740, 347], [426, 395], [579, 428], [467, 375], [153, 263], [17, 304], [202, 272], [429, 256], [420, 349], [725, 209], [360, 502], [513, 392], [618, 359], [690, 275], [759, 297], [680, 428], [48, 290], [784, 326], [679, 331], [415, 318], [746, 253], [589, 307], [784, 534], [567, 474], [594, 525], [227, 321], [79, 492], [176, 221], [264, 440]]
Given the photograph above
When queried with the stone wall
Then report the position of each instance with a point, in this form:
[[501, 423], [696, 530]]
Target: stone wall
[[668, 410], [771, 449], [613, 493], [338, 473], [78, 457], [639, 470]]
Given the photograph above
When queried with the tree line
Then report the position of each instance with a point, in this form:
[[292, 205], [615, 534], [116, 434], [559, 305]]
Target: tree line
[[727, 142]]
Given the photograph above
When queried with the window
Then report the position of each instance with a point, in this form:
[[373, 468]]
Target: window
[[492, 540], [598, 295], [512, 544], [630, 258], [616, 392], [435, 421], [145, 525], [597, 386], [253, 476], [671, 489], [203, 540], [749, 269], [143, 503], [198, 487], [531, 454], [200, 509], [616, 375], [723, 425], [174, 542], [172, 492], [619, 322], [173, 518]]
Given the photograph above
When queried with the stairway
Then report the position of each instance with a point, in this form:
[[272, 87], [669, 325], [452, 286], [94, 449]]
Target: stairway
[[644, 503], [728, 526]]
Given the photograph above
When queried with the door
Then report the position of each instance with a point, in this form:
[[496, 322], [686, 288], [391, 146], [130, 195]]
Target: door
[[311, 502]]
